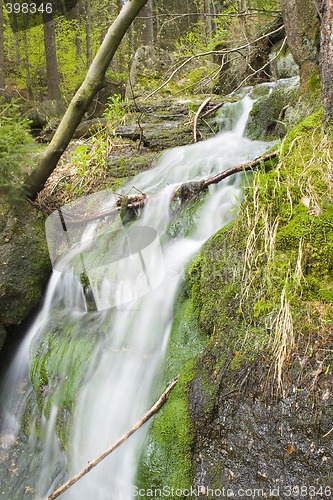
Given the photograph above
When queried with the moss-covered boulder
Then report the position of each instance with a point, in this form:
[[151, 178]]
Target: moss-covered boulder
[[265, 120], [261, 290], [24, 257]]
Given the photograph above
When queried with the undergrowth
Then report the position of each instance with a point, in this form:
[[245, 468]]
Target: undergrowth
[[15, 142], [266, 283]]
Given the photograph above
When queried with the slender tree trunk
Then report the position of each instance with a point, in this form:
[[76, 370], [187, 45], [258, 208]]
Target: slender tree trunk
[[82, 99], [88, 33], [52, 74], [208, 18], [27, 58], [75, 13], [2, 53], [147, 25], [16, 37], [326, 57]]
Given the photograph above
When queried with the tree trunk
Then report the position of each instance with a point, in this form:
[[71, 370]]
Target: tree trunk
[[302, 26], [2, 53], [208, 18], [82, 99], [146, 24], [326, 57], [27, 58], [75, 15], [52, 74], [88, 33]]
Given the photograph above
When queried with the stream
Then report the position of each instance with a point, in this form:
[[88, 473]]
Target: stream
[[117, 347]]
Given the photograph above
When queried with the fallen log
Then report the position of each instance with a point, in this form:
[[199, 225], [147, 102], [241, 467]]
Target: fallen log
[[185, 192], [159, 403], [240, 168]]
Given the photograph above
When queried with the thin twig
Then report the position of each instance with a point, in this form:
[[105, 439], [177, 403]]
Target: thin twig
[[197, 114], [159, 403], [202, 54], [327, 433]]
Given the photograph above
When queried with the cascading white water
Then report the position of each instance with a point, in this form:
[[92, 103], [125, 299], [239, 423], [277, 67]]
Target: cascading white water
[[130, 340]]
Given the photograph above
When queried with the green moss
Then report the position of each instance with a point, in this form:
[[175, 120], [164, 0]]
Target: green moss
[[264, 120], [166, 458], [314, 83], [277, 254], [58, 369], [121, 169], [185, 219]]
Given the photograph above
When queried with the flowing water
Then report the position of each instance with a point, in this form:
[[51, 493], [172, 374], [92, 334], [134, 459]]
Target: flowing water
[[118, 349]]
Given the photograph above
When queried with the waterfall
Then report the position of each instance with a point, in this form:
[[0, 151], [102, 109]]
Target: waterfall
[[126, 342]]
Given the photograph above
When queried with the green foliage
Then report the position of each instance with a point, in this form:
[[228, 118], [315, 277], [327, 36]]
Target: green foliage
[[196, 40], [15, 142], [115, 111]]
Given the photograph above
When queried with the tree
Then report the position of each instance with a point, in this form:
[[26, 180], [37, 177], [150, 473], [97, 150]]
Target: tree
[[81, 101], [88, 33], [52, 73], [147, 34], [326, 57]]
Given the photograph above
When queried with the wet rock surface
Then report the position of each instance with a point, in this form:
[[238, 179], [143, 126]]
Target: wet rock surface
[[24, 258], [251, 441]]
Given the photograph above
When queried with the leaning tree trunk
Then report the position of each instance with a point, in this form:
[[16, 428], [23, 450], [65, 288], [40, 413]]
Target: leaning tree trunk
[[326, 57], [81, 101]]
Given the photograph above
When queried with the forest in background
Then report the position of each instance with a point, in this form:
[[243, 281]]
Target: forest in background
[[46, 55]]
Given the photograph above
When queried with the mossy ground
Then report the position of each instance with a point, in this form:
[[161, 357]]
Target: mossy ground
[[255, 282]]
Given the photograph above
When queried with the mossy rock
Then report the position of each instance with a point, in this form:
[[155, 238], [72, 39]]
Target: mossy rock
[[25, 264], [3, 334], [278, 248], [120, 169], [265, 120], [59, 367]]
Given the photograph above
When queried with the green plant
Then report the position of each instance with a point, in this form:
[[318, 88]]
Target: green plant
[[15, 142], [115, 111]]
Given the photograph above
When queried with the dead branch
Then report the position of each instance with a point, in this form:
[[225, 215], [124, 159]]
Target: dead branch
[[197, 114], [211, 110], [210, 52], [255, 72], [159, 403], [184, 192], [240, 168]]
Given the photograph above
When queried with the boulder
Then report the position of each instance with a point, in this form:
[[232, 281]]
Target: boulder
[[24, 258], [282, 63], [266, 117]]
